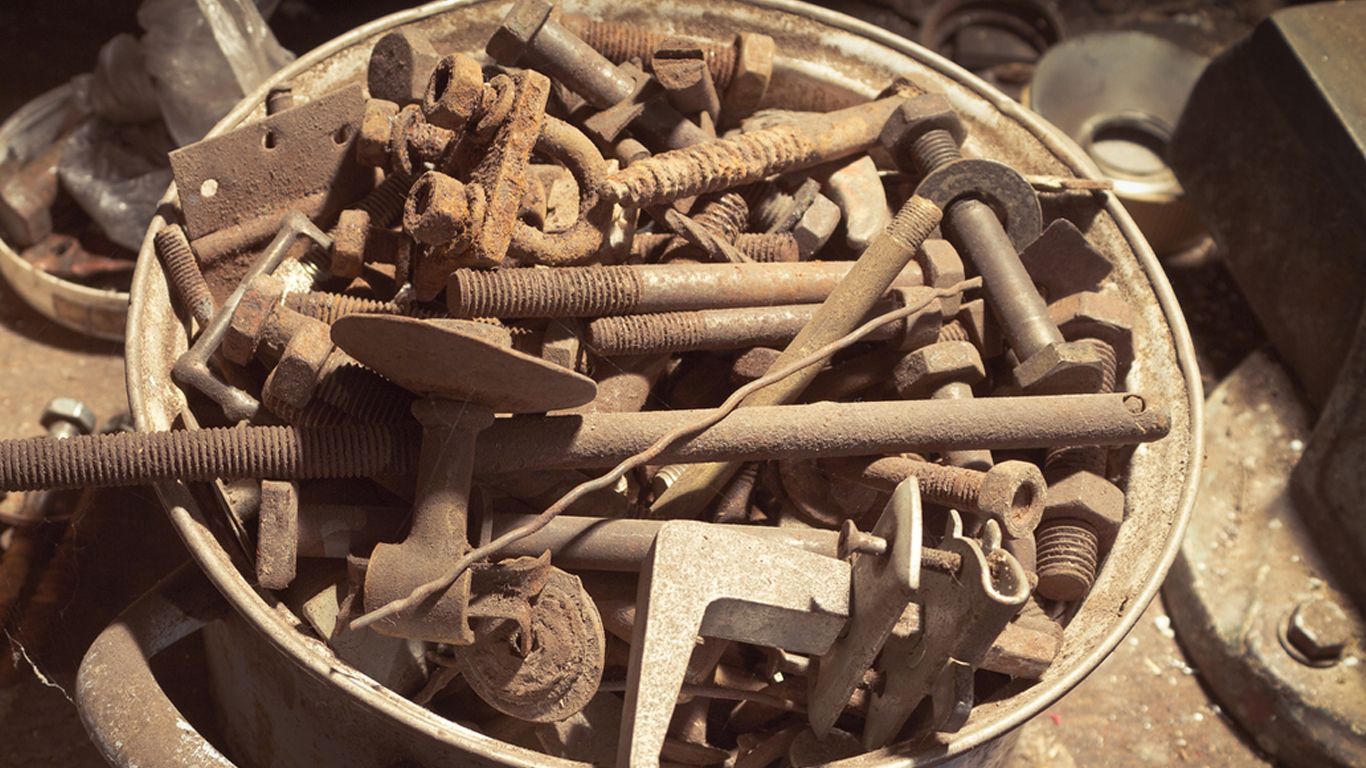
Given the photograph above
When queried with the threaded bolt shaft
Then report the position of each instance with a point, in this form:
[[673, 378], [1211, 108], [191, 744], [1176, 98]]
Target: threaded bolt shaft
[[934, 149], [565, 292], [621, 335], [951, 486], [713, 166], [621, 42], [182, 269], [385, 202], [230, 453], [954, 331], [1068, 557], [361, 393], [758, 246]]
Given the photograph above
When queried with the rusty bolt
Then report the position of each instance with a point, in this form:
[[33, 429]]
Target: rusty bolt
[[1317, 632], [1089, 314], [356, 242], [65, 417], [638, 289], [376, 125], [680, 66], [399, 140], [277, 541], [182, 271], [297, 373], [400, 65], [441, 209], [944, 371]]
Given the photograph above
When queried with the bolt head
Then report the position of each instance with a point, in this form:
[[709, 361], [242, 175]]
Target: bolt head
[[942, 267], [249, 320], [1014, 493], [1317, 632], [561, 344], [915, 117], [277, 545], [753, 71], [348, 242], [1088, 497], [817, 224], [67, 415], [1069, 367], [924, 370], [399, 66], [295, 377], [372, 143], [453, 92], [519, 27], [1090, 314]]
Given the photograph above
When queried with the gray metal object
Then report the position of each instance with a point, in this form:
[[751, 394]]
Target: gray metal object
[[261, 662]]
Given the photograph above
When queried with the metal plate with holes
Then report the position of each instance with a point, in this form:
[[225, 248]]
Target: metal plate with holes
[[300, 159]]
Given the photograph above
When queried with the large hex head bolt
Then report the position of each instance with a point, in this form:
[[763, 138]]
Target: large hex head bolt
[[976, 196], [65, 417], [944, 371], [298, 345], [1084, 509], [530, 35]]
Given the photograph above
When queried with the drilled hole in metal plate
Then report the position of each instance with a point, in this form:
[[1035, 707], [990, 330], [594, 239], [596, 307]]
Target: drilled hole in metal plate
[[342, 134], [208, 188], [268, 140]]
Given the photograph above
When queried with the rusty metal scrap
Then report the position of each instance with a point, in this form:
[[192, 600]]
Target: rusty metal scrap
[[560, 289]]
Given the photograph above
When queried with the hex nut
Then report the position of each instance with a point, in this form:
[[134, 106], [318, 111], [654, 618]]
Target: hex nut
[[348, 242], [65, 416], [817, 224], [1090, 498], [453, 92], [296, 376], [915, 117], [277, 543], [942, 267], [1317, 632], [437, 209], [1061, 261], [249, 320], [753, 71], [1013, 493], [921, 328], [400, 64], [1089, 314], [376, 125], [1070, 367], [510, 41], [560, 344], [926, 369]]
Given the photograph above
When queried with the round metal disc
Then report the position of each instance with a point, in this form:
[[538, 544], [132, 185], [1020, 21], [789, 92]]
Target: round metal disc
[[460, 360], [564, 668]]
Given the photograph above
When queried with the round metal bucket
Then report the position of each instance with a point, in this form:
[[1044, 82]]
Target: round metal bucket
[[90, 311], [286, 700]]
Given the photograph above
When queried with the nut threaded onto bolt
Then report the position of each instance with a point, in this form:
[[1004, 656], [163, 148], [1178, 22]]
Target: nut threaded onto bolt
[[561, 292], [230, 453], [934, 149], [711, 167], [182, 269], [619, 42], [1068, 555], [645, 334]]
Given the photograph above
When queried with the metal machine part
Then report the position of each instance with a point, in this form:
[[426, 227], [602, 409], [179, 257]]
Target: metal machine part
[[1120, 95]]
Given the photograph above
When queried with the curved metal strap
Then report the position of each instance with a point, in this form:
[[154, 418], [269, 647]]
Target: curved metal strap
[[124, 710]]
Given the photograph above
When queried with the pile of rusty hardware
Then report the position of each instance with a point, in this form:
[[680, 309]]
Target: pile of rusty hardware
[[860, 477]]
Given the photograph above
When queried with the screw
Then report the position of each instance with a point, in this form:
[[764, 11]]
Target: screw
[[1317, 632], [182, 270], [637, 289], [750, 157], [1011, 493], [710, 232]]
